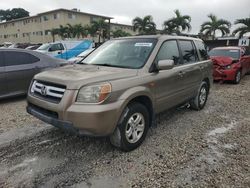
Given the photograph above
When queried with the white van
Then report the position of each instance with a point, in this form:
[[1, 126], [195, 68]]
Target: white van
[[65, 49]]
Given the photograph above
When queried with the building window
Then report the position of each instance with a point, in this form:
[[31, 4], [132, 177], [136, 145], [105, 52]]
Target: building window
[[71, 16], [39, 33], [45, 18], [47, 32], [56, 16]]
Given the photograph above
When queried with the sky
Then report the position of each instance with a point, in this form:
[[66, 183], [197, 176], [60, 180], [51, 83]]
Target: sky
[[123, 11]]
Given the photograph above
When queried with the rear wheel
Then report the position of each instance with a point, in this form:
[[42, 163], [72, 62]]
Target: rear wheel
[[237, 77], [132, 129], [200, 100]]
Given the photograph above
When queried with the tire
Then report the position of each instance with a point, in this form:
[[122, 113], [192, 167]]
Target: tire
[[130, 133], [200, 99], [237, 77]]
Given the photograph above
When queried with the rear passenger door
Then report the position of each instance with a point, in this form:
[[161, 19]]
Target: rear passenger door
[[190, 68], [20, 68], [3, 86]]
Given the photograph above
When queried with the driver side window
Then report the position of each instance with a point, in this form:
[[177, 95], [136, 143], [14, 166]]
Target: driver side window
[[56, 47], [169, 51]]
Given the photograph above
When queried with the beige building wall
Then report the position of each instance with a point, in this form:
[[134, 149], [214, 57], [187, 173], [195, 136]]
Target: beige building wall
[[35, 29], [126, 28]]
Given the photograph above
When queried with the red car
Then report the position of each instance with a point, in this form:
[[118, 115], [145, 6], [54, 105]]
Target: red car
[[230, 63]]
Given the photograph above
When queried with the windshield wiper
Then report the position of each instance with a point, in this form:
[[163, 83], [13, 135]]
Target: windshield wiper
[[110, 65], [81, 62]]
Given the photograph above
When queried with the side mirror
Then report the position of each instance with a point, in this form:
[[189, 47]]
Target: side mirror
[[165, 64], [50, 50]]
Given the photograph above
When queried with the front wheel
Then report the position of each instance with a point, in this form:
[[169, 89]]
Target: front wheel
[[132, 129], [237, 77], [200, 99]]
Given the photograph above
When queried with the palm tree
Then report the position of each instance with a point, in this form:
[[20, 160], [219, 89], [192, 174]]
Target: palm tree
[[242, 29], [63, 32], [54, 32], [101, 28], [177, 24], [120, 33], [90, 29], [209, 28], [70, 31], [145, 25], [169, 28], [79, 31]]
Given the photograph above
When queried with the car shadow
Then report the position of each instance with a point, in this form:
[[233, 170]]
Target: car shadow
[[13, 99]]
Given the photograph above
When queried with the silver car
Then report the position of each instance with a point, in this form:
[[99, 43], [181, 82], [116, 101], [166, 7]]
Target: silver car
[[17, 68]]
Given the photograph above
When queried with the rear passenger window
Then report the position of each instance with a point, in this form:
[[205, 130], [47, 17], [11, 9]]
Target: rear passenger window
[[202, 50], [19, 58], [188, 51], [1, 59], [169, 50]]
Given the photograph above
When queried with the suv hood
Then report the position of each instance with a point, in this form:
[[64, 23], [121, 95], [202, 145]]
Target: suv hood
[[75, 76]]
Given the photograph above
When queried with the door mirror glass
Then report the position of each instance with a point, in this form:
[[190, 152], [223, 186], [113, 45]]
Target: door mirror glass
[[165, 64]]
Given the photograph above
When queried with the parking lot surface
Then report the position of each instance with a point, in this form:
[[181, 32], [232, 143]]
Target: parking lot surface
[[208, 148]]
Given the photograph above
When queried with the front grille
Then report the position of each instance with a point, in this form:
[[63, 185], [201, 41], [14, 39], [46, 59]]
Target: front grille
[[48, 91]]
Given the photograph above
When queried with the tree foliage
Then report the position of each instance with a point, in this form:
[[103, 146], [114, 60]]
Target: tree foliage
[[177, 24], [209, 28], [98, 28], [12, 14], [120, 33], [244, 28], [145, 26]]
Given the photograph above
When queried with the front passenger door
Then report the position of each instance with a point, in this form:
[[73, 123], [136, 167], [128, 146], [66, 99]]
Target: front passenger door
[[168, 83], [58, 51]]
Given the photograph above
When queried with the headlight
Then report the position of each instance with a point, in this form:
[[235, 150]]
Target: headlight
[[94, 93], [228, 67]]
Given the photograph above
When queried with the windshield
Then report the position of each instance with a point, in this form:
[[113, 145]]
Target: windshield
[[44, 47], [234, 53], [124, 53], [86, 52]]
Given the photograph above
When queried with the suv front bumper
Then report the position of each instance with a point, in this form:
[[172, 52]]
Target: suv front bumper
[[92, 120], [65, 125]]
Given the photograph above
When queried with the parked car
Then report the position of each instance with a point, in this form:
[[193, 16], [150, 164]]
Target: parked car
[[65, 49], [81, 56], [6, 44], [121, 87], [230, 63], [33, 47], [17, 68]]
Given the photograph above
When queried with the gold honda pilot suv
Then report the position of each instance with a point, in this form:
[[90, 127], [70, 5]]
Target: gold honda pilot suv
[[117, 89]]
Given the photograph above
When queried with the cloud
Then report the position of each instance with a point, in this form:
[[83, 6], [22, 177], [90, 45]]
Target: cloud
[[125, 10]]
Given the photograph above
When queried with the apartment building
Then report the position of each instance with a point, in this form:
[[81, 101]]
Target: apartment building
[[124, 27], [36, 29]]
